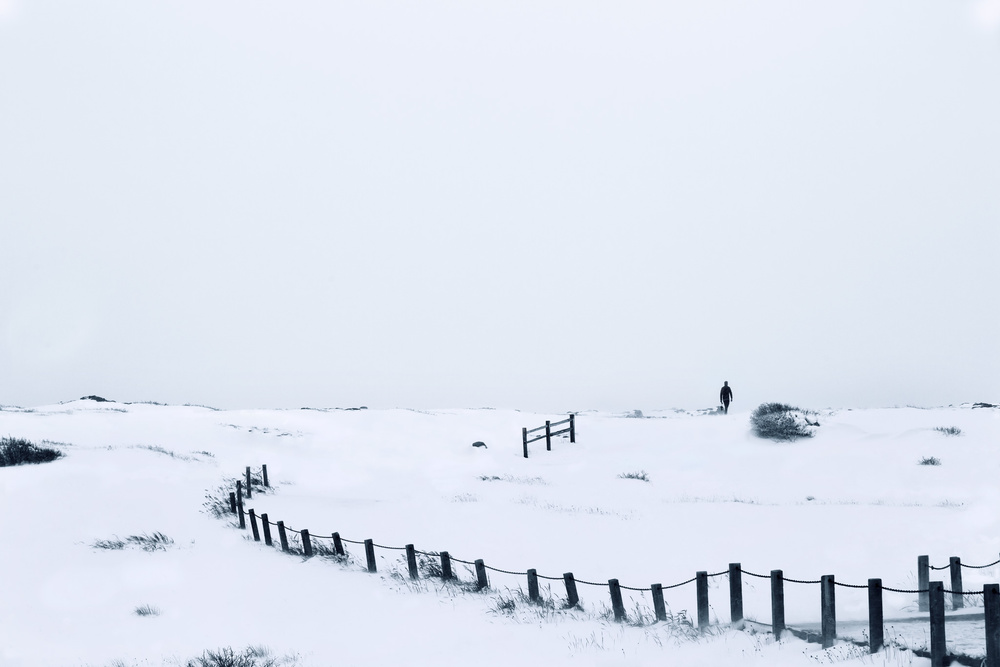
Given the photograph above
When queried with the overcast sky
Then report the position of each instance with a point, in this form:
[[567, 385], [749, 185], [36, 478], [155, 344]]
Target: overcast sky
[[542, 205]]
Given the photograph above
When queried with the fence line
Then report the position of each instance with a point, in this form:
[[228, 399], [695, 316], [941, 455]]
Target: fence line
[[549, 433], [931, 593]]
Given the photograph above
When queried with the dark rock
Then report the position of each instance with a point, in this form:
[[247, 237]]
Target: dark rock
[[95, 398], [479, 443]]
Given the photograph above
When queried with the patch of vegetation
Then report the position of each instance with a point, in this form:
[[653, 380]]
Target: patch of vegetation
[[640, 475], [513, 479], [948, 430], [146, 610], [155, 542], [96, 399], [166, 452], [929, 461], [252, 656], [781, 422], [18, 451]]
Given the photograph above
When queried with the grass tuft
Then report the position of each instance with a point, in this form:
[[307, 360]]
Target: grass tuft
[[640, 475], [780, 422], [147, 610], [18, 451], [929, 461], [155, 542], [948, 430], [252, 656]]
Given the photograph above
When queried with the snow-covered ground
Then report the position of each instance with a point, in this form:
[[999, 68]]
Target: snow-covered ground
[[851, 501]]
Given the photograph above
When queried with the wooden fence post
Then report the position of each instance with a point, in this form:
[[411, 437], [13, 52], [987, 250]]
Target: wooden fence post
[[253, 526], [616, 600], [572, 599], [307, 547], [829, 610], [239, 506], [482, 583], [991, 607], [282, 536], [446, 566], [659, 608], [249, 486], [232, 502], [923, 580], [735, 592], [370, 555], [338, 544], [955, 566], [777, 603], [548, 436], [939, 647], [411, 561], [533, 586], [264, 474], [572, 429], [524, 439], [876, 627], [701, 588], [266, 525]]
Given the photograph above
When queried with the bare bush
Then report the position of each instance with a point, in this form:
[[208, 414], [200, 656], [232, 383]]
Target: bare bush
[[780, 422]]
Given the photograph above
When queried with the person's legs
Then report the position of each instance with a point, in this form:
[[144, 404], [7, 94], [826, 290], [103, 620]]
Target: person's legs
[[725, 407]]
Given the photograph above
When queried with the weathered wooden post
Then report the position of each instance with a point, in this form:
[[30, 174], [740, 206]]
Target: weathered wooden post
[[991, 604], [955, 566], [939, 647], [616, 599], [253, 526], [735, 592], [249, 486], [307, 547], [659, 607], [829, 610], [701, 590], [370, 555], [533, 586], [239, 506], [524, 439], [266, 525], [411, 561], [876, 626], [572, 599], [777, 603], [482, 583], [572, 429], [338, 544], [446, 566], [282, 536], [923, 580], [232, 502], [548, 436], [263, 469]]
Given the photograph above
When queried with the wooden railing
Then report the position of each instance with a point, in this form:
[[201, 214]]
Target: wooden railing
[[571, 429]]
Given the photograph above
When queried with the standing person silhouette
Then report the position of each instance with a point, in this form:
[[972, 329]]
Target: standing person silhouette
[[725, 397]]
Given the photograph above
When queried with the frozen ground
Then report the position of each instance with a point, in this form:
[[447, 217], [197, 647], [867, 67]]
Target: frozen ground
[[852, 502]]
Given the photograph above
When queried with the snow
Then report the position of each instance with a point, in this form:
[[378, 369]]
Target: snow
[[852, 502]]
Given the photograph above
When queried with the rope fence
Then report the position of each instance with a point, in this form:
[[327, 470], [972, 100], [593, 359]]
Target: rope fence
[[931, 594]]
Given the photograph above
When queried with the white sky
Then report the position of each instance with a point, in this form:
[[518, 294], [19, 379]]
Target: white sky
[[542, 205]]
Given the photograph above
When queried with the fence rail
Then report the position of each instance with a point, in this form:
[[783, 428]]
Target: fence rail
[[930, 593], [549, 433]]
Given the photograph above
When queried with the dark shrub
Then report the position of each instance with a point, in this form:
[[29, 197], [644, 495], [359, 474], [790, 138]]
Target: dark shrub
[[777, 421], [15, 451]]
